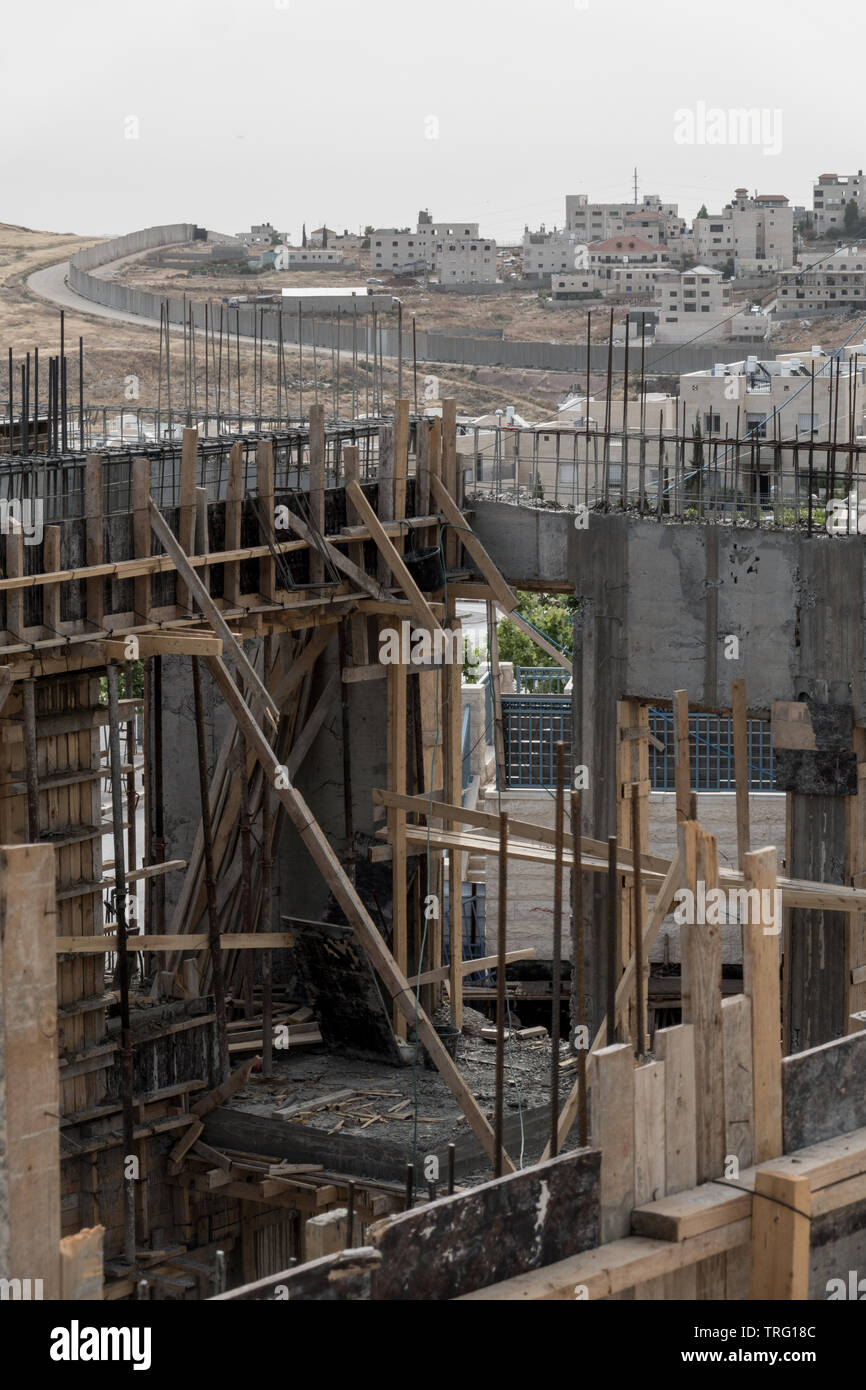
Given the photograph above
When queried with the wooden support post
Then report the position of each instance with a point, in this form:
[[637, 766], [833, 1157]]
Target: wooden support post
[[81, 1266], [358, 623], [632, 767], [538, 638], [741, 767], [265, 490], [186, 515], [781, 1217], [141, 535], [28, 992], [701, 953], [15, 597], [234, 516], [449, 476], [420, 608], [496, 699], [459, 528], [51, 592], [325, 1234], [93, 536], [613, 1131], [451, 677], [317, 486], [401, 463], [397, 700], [761, 984], [649, 1133], [682, 763], [356, 914]]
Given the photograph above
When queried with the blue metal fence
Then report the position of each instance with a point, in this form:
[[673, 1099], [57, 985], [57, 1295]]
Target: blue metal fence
[[531, 727], [711, 748], [540, 680]]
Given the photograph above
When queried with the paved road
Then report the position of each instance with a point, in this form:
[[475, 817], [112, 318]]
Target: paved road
[[50, 284]]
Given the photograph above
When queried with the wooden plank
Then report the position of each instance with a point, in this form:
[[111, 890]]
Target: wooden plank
[[675, 1047], [451, 683], [689, 1213], [265, 490], [93, 535], [398, 690], [141, 535], [184, 1144], [217, 1097], [15, 568], [51, 597], [505, 595], [356, 914], [385, 546], [761, 984], [449, 475], [791, 725], [742, 770], [234, 652], [28, 923], [701, 952], [614, 1267], [186, 512], [682, 765], [613, 1131], [81, 1259], [358, 576], [401, 460], [739, 1096], [649, 1132], [325, 1234], [164, 644], [304, 741], [317, 486], [234, 507], [781, 1218]]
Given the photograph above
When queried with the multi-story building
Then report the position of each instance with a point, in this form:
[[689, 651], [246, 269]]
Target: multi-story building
[[395, 251], [551, 253], [699, 303], [757, 234], [830, 197], [263, 234], [826, 281], [465, 260], [627, 265], [580, 284], [651, 220], [778, 399]]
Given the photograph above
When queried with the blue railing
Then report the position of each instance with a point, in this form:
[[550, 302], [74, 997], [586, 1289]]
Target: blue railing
[[532, 725], [466, 746], [540, 680], [711, 749]]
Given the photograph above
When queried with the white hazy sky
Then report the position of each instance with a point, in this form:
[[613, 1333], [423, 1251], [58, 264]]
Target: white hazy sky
[[319, 110]]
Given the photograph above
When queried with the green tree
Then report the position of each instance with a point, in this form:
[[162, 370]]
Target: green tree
[[552, 614], [703, 212]]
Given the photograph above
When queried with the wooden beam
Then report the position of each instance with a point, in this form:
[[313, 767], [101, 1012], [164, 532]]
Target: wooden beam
[[505, 595], [81, 1266], [316, 491], [234, 508], [537, 637], [93, 535], [165, 644], [761, 984], [234, 652], [340, 561], [469, 967], [141, 535], [781, 1219], [387, 550], [398, 692], [742, 778], [186, 512], [701, 953], [28, 991], [304, 741], [682, 763], [185, 941], [265, 490], [613, 1131], [51, 597], [356, 914]]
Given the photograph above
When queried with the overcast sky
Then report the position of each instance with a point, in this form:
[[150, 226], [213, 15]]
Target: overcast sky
[[363, 111]]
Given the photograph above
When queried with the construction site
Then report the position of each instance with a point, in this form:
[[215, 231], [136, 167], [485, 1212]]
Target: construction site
[[251, 1048]]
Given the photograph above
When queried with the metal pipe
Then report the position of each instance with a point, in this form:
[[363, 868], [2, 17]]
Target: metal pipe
[[266, 904], [410, 1186], [210, 880], [558, 855], [120, 905], [498, 1125]]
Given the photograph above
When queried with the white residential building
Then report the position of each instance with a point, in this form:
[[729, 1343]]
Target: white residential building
[[580, 284], [552, 253], [830, 197], [396, 251], [757, 234], [651, 219], [825, 280], [311, 257], [625, 265], [465, 260], [698, 302]]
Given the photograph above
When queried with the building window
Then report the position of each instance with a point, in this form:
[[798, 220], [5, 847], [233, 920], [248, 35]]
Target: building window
[[807, 424], [756, 425], [712, 423]]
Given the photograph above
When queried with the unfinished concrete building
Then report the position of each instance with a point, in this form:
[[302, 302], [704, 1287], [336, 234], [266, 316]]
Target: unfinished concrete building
[[237, 1059]]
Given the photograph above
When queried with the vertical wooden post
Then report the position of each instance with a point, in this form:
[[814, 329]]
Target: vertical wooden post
[[701, 953], [781, 1215], [633, 767], [51, 592], [81, 1269], [761, 984], [452, 702], [265, 490], [141, 536], [358, 623], [186, 520], [682, 767], [28, 988], [15, 597], [496, 698], [397, 699], [449, 474], [234, 514], [613, 1119], [741, 766], [317, 487], [401, 464], [94, 588]]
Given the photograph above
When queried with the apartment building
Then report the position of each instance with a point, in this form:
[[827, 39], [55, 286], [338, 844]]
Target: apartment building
[[465, 260], [830, 197], [262, 234], [695, 301], [757, 234], [651, 220], [397, 251], [834, 280], [551, 253], [625, 265], [580, 284], [778, 399]]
